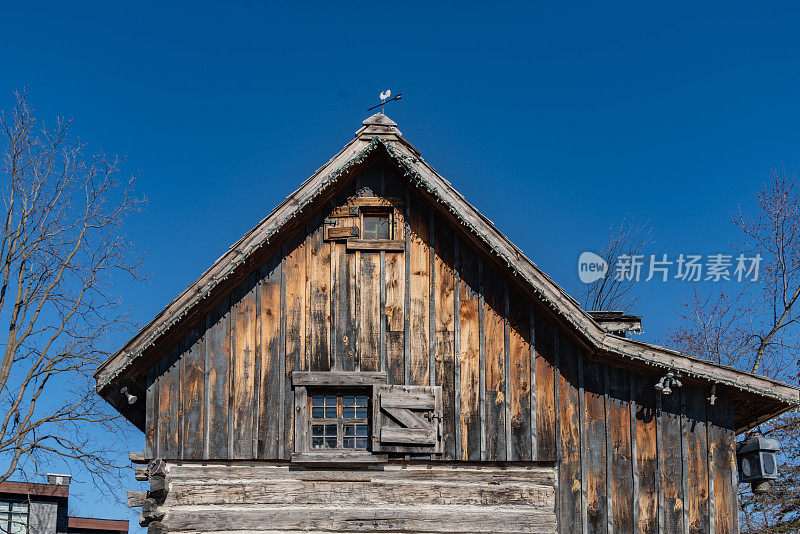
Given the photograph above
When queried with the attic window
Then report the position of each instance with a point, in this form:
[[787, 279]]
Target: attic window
[[376, 226]]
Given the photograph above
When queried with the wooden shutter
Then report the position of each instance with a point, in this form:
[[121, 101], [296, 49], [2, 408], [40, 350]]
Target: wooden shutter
[[407, 419]]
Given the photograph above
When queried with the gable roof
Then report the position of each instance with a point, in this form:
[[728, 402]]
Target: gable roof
[[378, 131]]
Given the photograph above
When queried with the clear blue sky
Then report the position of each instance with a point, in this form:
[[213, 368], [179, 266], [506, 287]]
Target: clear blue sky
[[555, 121]]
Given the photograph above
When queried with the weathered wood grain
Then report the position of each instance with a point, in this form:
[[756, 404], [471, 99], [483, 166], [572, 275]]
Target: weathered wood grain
[[243, 301], [618, 416], [295, 287], [669, 425], [395, 316], [468, 356], [270, 407], [546, 430], [647, 454], [319, 301], [369, 312], [569, 500], [444, 310], [594, 446], [169, 397], [218, 346], [696, 435], [419, 276], [193, 394], [493, 326], [400, 498], [721, 439], [519, 374]]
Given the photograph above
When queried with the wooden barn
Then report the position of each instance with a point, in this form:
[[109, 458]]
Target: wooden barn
[[376, 356]]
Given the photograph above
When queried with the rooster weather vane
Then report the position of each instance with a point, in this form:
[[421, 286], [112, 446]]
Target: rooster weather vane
[[384, 96]]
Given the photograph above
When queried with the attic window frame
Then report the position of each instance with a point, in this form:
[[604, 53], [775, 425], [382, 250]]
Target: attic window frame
[[373, 211]]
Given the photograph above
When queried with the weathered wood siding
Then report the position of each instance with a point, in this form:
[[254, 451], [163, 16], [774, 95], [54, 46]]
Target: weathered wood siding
[[516, 386], [208, 497]]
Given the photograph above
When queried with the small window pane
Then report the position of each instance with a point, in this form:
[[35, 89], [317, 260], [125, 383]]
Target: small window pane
[[361, 400], [317, 412], [317, 443], [317, 400], [349, 443], [361, 430], [348, 400], [361, 413], [376, 227], [330, 430], [330, 443], [361, 443], [317, 430], [330, 413], [348, 412]]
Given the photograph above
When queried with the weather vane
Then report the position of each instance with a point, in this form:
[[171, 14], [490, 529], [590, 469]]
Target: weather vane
[[385, 98]]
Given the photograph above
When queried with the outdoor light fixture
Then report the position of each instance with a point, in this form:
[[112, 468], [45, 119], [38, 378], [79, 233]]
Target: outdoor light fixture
[[131, 398], [756, 460], [668, 382]]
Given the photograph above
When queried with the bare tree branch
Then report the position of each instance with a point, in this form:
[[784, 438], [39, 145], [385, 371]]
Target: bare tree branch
[[61, 254]]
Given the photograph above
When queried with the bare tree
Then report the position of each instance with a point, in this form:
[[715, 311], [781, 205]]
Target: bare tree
[[629, 238], [754, 327], [61, 254]]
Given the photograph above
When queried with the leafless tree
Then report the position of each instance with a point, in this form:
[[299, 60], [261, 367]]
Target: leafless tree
[[61, 254], [754, 327], [630, 238]]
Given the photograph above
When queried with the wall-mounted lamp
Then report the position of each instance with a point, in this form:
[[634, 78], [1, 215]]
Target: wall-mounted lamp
[[131, 398], [668, 383]]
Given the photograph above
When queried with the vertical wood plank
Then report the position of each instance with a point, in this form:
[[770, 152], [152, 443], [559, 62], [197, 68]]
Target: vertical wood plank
[[432, 299], [218, 349], [244, 358], [270, 318], [493, 326], [697, 447], [444, 310], [419, 291], [520, 374], [618, 415], [345, 279], [469, 354], [151, 413], [369, 312], [545, 393], [532, 367], [647, 454], [395, 321], [169, 397], [594, 448], [295, 284], [193, 387], [669, 426], [319, 301], [570, 464], [721, 440]]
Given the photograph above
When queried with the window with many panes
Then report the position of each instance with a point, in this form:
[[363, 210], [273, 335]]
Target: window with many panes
[[13, 517], [339, 421]]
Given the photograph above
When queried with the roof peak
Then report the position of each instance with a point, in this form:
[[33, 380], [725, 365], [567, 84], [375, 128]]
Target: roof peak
[[380, 125]]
